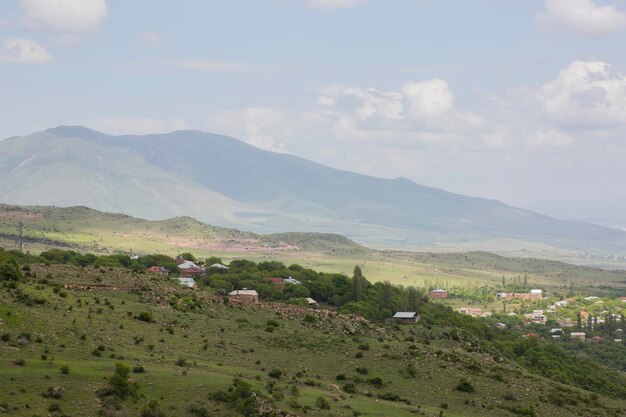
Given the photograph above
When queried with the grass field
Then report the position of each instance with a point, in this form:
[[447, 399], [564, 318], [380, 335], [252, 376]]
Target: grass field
[[84, 229], [195, 345]]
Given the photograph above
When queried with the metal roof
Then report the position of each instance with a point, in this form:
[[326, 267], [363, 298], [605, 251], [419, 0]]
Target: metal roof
[[243, 292], [405, 315]]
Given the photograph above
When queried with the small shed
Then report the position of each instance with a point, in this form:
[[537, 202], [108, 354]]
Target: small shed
[[311, 302], [219, 266], [578, 335], [191, 272], [406, 316], [291, 280], [245, 295], [159, 270], [438, 293], [187, 282]]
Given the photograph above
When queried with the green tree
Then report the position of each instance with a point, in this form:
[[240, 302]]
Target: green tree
[[9, 269], [188, 256], [358, 292]]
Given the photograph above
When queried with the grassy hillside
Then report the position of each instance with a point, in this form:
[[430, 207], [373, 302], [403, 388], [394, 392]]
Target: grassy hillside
[[64, 330], [88, 230]]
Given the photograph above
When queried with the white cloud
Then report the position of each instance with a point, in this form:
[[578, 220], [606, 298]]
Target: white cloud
[[498, 139], [263, 127], [24, 51], [209, 65], [150, 39], [427, 99], [583, 16], [332, 4], [553, 138], [585, 93], [138, 126], [419, 111], [363, 103], [65, 16]]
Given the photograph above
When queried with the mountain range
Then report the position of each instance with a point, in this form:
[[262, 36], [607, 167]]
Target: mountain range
[[226, 182]]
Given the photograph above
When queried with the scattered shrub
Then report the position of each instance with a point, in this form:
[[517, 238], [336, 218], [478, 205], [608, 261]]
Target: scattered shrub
[[275, 373], [322, 403], [152, 409], [145, 316], [465, 386]]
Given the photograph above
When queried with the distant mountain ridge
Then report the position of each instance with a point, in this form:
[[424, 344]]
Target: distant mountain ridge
[[224, 181]]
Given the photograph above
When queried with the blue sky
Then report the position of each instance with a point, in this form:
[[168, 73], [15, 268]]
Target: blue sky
[[519, 100]]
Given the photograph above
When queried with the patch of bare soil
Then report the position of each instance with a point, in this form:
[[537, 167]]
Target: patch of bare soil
[[20, 215]]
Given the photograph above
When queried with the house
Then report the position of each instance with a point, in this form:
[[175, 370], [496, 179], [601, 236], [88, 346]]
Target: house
[[501, 325], [245, 295], [276, 281], [187, 282], [191, 272], [566, 323], [537, 316], [293, 281], [501, 296], [219, 266], [159, 270], [438, 293], [578, 335], [532, 295], [474, 312], [311, 302], [557, 333], [536, 294], [187, 265], [406, 316]]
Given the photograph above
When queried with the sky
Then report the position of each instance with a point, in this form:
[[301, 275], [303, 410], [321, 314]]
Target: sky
[[520, 101]]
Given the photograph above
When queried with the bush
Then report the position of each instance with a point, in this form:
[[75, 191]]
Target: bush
[[377, 382], [340, 377], [9, 269], [275, 373], [145, 316], [19, 362], [152, 409], [181, 362], [322, 403], [465, 386], [349, 387], [5, 337], [119, 385], [239, 397], [200, 411], [65, 370]]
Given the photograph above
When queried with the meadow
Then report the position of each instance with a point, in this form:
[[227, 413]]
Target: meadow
[[61, 341]]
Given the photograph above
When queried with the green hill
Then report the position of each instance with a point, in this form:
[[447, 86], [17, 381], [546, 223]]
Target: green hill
[[86, 230], [85, 341], [224, 181]]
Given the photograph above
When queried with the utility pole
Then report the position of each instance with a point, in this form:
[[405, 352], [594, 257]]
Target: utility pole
[[20, 225]]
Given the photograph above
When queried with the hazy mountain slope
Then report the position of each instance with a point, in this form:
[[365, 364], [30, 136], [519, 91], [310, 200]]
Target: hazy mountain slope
[[52, 170], [609, 213], [229, 182]]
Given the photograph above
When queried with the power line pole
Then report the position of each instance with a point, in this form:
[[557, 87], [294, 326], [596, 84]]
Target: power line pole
[[20, 225]]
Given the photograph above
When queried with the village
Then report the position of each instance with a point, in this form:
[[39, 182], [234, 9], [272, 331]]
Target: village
[[534, 314]]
